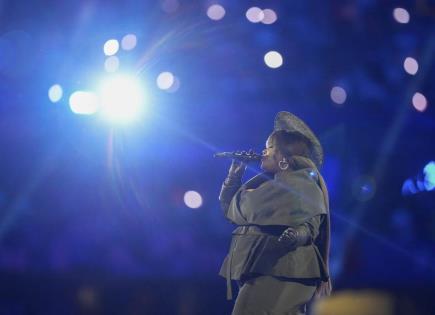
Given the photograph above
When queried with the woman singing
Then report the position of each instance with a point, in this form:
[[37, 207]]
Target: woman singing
[[279, 251]]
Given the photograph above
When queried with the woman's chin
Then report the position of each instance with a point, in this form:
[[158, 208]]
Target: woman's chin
[[264, 167]]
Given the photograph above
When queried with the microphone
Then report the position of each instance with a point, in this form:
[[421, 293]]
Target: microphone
[[243, 156]]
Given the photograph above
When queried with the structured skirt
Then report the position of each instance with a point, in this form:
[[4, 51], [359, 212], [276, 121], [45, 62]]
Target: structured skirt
[[267, 295]]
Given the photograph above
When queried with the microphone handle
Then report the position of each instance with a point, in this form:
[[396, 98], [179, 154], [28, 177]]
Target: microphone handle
[[241, 156]]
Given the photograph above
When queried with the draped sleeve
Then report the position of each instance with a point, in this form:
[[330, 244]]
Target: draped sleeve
[[290, 198]]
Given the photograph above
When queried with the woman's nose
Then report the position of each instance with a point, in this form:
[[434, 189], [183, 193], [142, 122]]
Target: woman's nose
[[264, 152]]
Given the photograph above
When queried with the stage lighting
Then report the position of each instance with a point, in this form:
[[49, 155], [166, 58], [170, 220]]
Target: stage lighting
[[429, 176], [121, 98], [401, 15], [165, 80], [254, 15], [111, 64], [419, 102], [193, 199], [174, 87], [55, 93], [269, 16], [364, 188], [128, 42], [216, 12], [111, 47], [424, 181], [338, 95], [273, 59], [410, 65], [83, 103]]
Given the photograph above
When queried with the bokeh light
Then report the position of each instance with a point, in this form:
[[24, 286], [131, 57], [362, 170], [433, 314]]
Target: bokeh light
[[83, 103], [273, 59], [165, 80], [121, 98], [419, 102], [129, 42], [55, 93], [410, 65], [111, 47], [216, 12], [269, 16], [401, 15], [111, 64], [175, 87], [254, 15], [338, 95], [193, 199], [429, 176], [409, 188], [364, 188]]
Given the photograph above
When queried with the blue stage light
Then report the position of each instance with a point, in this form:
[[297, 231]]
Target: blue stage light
[[273, 59], [129, 42], [193, 199], [111, 64], [83, 103], [429, 176], [121, 98], [111, 47], [408, 188], [165, 80], [216, 12], [55, 93]]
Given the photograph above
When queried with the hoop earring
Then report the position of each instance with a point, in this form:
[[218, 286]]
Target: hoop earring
[[283, 164]]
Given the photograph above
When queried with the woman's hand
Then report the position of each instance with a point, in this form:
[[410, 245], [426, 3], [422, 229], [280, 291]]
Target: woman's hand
[[236, 171], [295, 237]]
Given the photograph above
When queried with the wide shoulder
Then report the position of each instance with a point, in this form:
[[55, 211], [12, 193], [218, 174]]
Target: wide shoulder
[[305, 174]]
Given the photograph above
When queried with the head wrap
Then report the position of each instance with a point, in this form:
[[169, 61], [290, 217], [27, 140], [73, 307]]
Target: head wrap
[[291, 123]]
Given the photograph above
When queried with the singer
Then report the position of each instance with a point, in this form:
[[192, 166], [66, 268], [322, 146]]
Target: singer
[[280, 248]]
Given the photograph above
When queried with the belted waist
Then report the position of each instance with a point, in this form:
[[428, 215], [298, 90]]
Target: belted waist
[[275, 230]]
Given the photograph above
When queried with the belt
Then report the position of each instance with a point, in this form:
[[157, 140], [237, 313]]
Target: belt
[[275, 230]]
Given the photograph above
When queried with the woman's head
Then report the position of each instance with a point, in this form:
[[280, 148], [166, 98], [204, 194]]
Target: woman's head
[[280, 147]]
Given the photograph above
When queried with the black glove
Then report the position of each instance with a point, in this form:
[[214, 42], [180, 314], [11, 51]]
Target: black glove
[[232, 183], [235, 173], [295, 237]]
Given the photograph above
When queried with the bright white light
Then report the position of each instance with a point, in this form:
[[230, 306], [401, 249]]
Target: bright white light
[[193, 199], [254, 15], [55, 93], [128, 42], [410, 65], [419, 102], [111, 47], [270, 16], [83, 103], [429, 176], [273, 59], [401, 15], [216, 12], [121, 98], [175, 87], [111, 64], [338, 95], [165, 80]]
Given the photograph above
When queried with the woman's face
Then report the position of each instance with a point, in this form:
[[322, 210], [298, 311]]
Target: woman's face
[[271, 157]]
